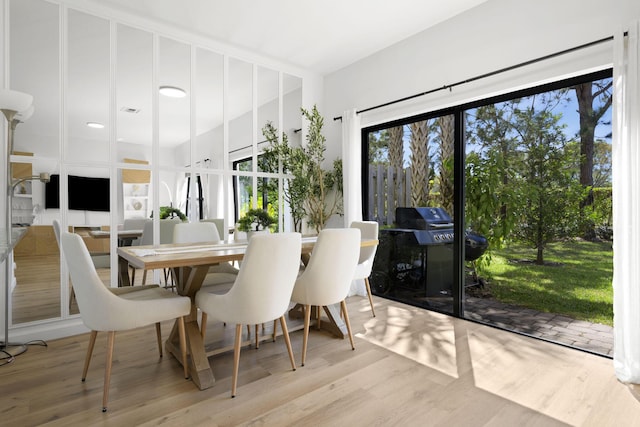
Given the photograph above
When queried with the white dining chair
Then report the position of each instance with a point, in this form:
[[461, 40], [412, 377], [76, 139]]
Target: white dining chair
[[102, 310], [166, 236], [196, 232], [134, 224], [116, 291], [327, 278], [261, 292], [368, 230], [206, 233]]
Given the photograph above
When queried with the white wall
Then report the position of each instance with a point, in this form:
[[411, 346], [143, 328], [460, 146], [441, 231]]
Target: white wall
[[494, 35]]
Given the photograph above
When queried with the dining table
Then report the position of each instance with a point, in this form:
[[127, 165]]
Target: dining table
[[189, 264], [125, 237]]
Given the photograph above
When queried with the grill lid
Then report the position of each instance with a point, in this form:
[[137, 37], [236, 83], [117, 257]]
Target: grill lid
[[423, 218]]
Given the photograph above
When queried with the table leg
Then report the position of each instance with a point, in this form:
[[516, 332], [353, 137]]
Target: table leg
[[123, 272], [335, 325], [189, 280], [199, 367]]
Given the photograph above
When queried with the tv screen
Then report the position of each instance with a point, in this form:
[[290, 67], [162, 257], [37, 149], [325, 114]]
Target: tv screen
[[85, 193]]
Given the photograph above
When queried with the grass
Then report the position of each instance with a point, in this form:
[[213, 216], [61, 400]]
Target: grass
[[576, 282]]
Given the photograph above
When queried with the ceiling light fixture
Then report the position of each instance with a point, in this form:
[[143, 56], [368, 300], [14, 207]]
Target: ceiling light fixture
[[172, 91], [95, 125]]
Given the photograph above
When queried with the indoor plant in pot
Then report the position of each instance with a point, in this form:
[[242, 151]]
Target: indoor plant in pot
[[255, 220]]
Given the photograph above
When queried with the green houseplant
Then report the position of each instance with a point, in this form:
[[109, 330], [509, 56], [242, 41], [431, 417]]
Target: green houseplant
[[313, 193], [171, 212], [255, 220]]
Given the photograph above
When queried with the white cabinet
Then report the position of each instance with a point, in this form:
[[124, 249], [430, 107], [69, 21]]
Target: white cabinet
[[136, 200], [22, 204], [136, 192]]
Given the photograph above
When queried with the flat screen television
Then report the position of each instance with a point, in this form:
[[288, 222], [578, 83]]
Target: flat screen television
[[85, 193]]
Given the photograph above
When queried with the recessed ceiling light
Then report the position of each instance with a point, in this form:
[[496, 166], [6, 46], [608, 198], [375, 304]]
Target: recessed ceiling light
[[172, 91], [95, 125]]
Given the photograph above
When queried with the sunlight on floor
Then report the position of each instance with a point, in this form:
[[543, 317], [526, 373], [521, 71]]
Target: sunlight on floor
[[415, 333]]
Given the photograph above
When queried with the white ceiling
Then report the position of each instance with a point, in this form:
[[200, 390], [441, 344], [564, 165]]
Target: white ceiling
[[320, 35]]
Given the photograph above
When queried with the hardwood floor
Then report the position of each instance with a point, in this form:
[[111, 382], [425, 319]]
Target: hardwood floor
[[37, 294], [410, 367]]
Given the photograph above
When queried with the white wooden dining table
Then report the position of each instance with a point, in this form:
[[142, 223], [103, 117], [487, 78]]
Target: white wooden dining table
[[189, 264]]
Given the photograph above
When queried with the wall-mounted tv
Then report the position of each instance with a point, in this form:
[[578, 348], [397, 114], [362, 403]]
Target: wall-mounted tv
[[85, 193]]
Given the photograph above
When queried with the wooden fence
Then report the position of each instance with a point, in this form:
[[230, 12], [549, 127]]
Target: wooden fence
[[389, 188]]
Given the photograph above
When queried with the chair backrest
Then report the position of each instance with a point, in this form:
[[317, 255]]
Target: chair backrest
[[219, 222], [368, 230], [262, 290], [134, 223], [166, 231], [194, 232], [56, 230], [102, 310], [94, 299], [327, 278]]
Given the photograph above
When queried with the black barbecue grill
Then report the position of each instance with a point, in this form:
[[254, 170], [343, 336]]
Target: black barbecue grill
[[418, 254]]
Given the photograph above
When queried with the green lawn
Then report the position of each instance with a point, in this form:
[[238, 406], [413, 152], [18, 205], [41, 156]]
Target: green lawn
[[578, 284]]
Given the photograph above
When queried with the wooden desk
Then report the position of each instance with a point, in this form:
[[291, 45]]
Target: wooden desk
[[189, 264]]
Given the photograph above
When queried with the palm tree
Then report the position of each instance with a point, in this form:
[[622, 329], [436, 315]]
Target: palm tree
[[446, 162], [419, 163], [396, 149]]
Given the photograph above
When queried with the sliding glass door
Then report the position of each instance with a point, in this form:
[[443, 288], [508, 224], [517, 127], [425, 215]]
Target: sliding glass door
[[518, 230]]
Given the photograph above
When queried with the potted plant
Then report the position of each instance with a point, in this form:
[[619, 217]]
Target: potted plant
[[255, 220], [169, 212], [313, 193]]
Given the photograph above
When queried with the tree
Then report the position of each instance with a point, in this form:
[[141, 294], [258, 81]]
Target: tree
[[419, 163], [396, 147], [588, 94], [313, 193], [447, 144], [601, 164], [379, 147], [492, 193], [552, 194]]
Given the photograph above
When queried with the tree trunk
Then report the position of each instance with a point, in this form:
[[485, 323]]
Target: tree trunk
[[588, 122], [539, 256], [446, 162], [396, 149], [419, 164]]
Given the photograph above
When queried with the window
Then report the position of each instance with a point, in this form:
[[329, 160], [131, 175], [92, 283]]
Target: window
[[512, 209]]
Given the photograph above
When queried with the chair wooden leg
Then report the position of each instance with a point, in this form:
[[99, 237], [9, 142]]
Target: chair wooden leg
[[275, 329], [107, 369], [133, 276], [159, 335], [183, 346], [257, 340], [92, 342], [366, 283], [236, 360], [305, 336], [72, 297], [285, 334], [343, 304], [318, 312], [144, 277], [203, 325]]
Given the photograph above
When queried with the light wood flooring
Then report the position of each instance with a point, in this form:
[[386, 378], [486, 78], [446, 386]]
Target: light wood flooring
[[411, 367], [37, 294]]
